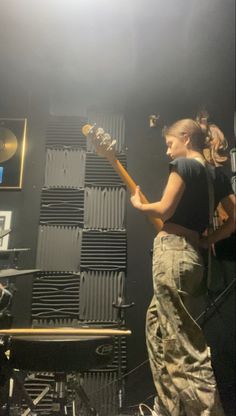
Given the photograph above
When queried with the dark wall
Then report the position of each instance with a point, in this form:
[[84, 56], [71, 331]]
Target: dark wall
[[25, 203]]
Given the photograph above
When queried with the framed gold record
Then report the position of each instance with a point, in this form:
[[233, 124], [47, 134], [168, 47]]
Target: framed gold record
[[12, 152]]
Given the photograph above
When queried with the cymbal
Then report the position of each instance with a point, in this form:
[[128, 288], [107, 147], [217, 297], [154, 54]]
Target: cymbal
[[65, 331], [16, 272], [8, 144]]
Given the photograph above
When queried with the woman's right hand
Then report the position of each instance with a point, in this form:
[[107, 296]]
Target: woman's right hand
[[136, 199]]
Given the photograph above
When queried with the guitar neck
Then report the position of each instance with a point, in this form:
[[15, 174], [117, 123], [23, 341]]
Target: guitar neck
[[101, 142], [131, 185]]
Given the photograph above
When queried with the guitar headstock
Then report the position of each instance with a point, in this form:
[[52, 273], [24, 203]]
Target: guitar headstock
[[102, 141]]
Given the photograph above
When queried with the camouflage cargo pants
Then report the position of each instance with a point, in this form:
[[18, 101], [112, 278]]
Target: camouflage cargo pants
[[179, 357]]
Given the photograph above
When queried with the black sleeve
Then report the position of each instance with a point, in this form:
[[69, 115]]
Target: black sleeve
[[224, 187], [183, 168]]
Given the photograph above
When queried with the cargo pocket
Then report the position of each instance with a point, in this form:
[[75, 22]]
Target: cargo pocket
[[190, 279]]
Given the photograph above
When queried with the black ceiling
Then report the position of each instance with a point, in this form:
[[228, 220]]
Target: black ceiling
[[128, 49]]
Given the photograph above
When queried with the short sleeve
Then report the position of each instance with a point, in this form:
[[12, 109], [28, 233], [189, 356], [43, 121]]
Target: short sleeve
[[183, 167]]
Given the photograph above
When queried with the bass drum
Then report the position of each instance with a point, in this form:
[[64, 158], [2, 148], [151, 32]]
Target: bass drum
[[60, 354]]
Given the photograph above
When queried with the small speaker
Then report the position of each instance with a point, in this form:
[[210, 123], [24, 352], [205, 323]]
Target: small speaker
[[12, 151]]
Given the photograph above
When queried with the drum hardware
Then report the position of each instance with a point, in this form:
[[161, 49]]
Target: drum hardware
[[7, 278], [76, 386], [9, 377], [120, 306], [60, 396], [36, 401], [41, 349]]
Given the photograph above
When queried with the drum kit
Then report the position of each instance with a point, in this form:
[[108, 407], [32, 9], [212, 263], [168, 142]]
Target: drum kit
[[61, 350], [58, 350]]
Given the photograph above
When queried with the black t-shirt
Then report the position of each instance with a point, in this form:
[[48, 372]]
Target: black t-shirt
[[193, 209]]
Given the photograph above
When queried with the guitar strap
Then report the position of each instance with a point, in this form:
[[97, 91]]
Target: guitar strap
[[210, 229]]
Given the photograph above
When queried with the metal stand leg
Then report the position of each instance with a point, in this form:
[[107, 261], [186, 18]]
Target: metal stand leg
[[37, 400], [59, 407], [82, 397], [10, 380]]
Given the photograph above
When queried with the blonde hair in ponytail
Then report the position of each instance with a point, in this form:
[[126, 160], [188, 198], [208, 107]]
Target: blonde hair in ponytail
[[215, 140], [192, 129]]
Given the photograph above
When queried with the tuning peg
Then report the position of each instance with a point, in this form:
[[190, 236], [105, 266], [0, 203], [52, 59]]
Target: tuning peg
[[87, 129], [112, 145]]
